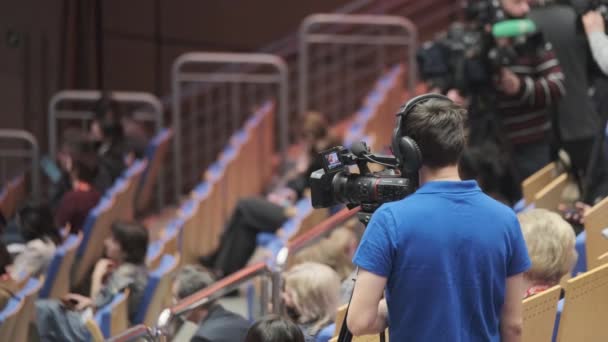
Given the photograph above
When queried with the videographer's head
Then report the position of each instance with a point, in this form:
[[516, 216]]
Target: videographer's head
[[438, 127], [515, 8]]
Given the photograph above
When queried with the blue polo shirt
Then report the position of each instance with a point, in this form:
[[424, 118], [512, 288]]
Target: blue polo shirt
[[446, 252]]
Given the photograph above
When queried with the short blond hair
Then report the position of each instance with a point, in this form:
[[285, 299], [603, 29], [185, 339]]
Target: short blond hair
[[551, 245], [314, 289], [333, 252]]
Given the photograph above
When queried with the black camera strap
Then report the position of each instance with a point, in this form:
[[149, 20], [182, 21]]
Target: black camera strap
[[345, 334]]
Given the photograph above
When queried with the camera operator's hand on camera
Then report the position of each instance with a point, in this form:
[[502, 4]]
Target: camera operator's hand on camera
[[509, 83], [593, 22]]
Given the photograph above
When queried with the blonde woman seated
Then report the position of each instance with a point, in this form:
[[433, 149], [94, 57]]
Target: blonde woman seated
[[336, 252], [551, 247], [311, 295]]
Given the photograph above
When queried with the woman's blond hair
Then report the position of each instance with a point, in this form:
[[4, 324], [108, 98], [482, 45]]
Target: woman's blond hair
[[332, 252], [314, 289], [551, 245]]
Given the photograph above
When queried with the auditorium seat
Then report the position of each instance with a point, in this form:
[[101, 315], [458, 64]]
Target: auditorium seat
[[581, 249], [94, 330], [114, 317], [539, 315], [154, 254], [157, 294], [25, 317], [171, 236], [189, 245], [8, 318], [57, 278], [13, 194], [156, 155], [596, 220], [550, 196], [585, 307], [96, 229], [537, 181]]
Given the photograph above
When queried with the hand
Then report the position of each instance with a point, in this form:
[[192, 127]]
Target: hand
[[593, 22], [76, 302], [574, 215], [509, 83]]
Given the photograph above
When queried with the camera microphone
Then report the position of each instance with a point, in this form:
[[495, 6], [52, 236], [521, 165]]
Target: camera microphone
[[513, 28], [359, 149]]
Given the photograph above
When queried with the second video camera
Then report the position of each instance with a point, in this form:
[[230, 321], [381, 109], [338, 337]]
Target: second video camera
[[335, 184]]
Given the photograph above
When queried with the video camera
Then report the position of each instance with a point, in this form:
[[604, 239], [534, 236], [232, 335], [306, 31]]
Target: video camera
[[467, 57], [334, 184]]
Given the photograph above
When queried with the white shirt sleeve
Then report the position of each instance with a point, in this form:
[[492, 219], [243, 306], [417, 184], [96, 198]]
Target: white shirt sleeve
[[598, 42]]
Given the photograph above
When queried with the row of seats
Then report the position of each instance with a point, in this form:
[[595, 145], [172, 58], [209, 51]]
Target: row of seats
[[12, 195], [376, 119], [75, 257], [201, 218]]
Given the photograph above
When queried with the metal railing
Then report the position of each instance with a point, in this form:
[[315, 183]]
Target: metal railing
[[212, 293], [88, 98], [135, 333], [32, 153], [216, 95], [307, 239], [351, 51]]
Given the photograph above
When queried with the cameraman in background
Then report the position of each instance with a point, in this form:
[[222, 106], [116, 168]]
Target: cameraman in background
[[575, 120], [526, 90]]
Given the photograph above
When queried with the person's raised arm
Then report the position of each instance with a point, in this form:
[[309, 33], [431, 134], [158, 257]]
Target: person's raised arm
[[367, 313], [598, 40], [511, 321]]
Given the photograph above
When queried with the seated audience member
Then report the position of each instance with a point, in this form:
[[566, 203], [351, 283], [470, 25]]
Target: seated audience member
[[133, 132], [107, 132], [41, 236], [8, 287], [336, 252], [274, 329], [76, 204], [238, 242], [551, 246], [315, 138], [210, 323], [311, 295], [486, 164], [126, 247]]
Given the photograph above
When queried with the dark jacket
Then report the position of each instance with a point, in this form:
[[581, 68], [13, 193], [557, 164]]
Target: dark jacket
[[574, 115], [221, 325]]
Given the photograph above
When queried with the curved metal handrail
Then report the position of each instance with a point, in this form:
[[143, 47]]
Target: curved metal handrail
[[409, 39], [209, 294], [308, 238], [35, 155], [279, 77], [134, 333], [95, 95]]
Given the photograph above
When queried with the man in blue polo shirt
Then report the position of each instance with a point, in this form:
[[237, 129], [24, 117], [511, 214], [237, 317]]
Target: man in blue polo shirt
[[448, 258]]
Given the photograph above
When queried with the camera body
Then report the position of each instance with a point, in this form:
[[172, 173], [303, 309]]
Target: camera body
[[467, 57], [335, 184]]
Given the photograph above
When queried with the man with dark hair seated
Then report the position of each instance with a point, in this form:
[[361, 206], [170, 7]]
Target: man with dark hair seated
[[210, 323]]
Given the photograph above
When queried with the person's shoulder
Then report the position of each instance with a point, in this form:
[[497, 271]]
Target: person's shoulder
[[222, 325]]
